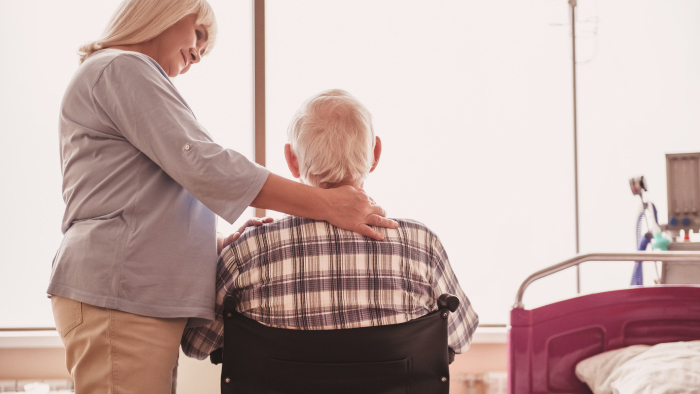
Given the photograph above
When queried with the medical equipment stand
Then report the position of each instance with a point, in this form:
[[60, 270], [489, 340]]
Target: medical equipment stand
[[572, 5], [683, 188]]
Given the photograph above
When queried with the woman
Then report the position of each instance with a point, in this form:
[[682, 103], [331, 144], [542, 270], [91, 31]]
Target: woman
[[143, 183]]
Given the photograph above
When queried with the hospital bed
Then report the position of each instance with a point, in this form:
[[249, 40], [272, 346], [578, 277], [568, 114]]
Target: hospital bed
[[546, 343]]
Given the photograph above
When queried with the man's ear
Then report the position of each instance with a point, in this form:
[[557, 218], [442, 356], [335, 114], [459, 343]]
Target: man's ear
[[292, 162], [377, 153]]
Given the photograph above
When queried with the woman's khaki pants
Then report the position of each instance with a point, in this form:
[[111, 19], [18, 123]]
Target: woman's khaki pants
[[114, 352]]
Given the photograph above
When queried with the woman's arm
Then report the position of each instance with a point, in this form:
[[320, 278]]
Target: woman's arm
[[147, 110], [345, 207]]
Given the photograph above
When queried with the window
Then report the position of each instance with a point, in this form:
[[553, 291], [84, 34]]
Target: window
[[639, 99], [41, 57], [472, 100]]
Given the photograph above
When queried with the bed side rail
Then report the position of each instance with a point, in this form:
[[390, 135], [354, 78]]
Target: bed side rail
[[669, 257]]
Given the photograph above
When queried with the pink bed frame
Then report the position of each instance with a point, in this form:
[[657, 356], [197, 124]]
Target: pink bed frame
[[546, 343]]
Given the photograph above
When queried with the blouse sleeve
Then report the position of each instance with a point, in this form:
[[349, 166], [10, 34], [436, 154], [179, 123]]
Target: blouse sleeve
[[141, 105]]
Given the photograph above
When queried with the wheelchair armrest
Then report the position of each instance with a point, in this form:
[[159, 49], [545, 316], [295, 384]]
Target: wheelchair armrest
[[448, 301], [217, 356]]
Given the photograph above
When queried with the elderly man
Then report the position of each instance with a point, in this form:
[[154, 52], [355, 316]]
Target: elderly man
[[305, 274]]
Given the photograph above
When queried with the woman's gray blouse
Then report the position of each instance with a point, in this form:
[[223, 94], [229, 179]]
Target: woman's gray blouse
[[143, 182]]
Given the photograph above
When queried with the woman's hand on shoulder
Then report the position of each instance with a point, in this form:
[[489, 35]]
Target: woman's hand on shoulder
[[352, 209], [224, 241]]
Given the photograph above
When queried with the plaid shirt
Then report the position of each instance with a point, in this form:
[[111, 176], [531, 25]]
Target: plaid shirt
[[304, 274]]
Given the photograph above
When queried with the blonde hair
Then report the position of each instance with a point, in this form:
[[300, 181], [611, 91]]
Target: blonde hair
[[333, 139], [137, 21]]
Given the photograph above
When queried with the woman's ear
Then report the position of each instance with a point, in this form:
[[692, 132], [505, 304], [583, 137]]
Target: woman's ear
[[292, 162], [377, 153]]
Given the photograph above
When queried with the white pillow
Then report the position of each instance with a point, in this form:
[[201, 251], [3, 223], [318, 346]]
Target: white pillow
[[595, 370], [667, 368]]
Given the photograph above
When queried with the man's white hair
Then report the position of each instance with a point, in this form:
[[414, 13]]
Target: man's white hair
[[333, 139]]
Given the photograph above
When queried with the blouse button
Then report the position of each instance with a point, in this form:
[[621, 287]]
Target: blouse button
[[187, 147]]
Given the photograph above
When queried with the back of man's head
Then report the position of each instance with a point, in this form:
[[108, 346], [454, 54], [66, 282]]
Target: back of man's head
[[332, 137]]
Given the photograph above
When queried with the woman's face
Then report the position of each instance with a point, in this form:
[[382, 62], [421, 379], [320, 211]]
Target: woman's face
[[180, 46]]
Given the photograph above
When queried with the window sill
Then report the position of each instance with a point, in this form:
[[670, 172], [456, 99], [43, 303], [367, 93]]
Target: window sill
[[30, 339], [486, 335]]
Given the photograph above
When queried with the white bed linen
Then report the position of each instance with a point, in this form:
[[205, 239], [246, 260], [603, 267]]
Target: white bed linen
[[667, 368]]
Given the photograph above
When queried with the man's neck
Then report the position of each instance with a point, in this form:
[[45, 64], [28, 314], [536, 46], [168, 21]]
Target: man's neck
[[356, 185]]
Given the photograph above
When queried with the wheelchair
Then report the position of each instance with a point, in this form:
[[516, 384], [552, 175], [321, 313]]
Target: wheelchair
[[411, 357]]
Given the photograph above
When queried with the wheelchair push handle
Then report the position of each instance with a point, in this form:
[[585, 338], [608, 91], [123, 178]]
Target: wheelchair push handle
[[448, 301]]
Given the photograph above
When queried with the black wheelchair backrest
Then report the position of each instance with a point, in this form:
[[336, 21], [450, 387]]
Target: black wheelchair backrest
[[410, 357]]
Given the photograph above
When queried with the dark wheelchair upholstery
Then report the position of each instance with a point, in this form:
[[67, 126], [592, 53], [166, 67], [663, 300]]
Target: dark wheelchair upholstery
[[410, 357]]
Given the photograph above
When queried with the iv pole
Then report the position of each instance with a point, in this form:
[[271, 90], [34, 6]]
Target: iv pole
[[572, 6]]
